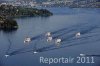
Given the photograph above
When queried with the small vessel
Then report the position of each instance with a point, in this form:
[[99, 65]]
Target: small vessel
[[78, 35], [27, 39], [82, 55], [58, 41], [35, 52], [7, 56], [48, 34], [49, 39]]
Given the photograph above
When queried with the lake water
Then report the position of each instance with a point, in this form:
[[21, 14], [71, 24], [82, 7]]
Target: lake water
[[64, 24]]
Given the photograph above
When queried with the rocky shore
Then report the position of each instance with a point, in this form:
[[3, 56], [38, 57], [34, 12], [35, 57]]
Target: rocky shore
[[8, 12]]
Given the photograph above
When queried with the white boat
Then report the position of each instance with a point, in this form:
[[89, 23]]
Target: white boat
[[82, 55], [48, 34], [7, 56], [35, 52], [27, 40], [78, 35], [58, 41], [49, 39]]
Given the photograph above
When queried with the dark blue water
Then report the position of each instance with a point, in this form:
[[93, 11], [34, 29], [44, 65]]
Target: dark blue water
[[64, 24]]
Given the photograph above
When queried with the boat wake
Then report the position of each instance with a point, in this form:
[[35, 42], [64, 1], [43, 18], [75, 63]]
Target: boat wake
[[67, 36]]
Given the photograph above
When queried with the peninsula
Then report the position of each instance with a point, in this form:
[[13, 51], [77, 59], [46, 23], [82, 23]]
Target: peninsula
[[8, 12]]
